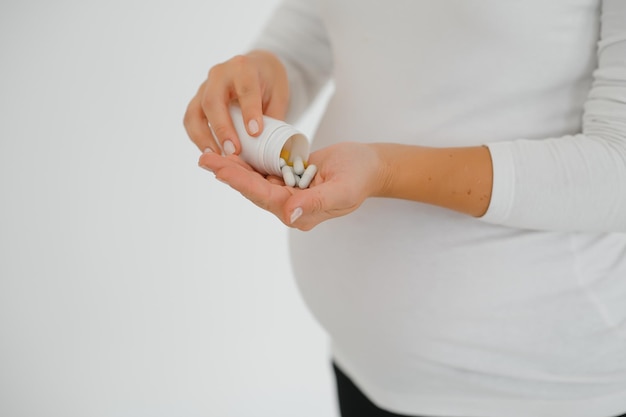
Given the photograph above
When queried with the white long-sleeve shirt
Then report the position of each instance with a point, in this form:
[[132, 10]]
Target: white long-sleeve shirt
[[523, 311]]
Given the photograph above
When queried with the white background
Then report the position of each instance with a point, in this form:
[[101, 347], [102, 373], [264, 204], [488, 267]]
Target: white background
[[131, 282]]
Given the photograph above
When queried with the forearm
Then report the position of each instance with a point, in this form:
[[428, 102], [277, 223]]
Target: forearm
[[573, 182], [459, 179]]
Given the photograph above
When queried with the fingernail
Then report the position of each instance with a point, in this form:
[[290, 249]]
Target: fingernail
[[295, 215], [229, 147], [205, 167], [253, 127], [208, 150]]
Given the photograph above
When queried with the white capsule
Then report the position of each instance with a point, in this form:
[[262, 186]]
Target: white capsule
[[297, 178], [298, 165], [288, 176], [307, 176], [282, 162]]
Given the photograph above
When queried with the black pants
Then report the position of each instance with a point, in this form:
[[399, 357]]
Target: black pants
[[353, 403]]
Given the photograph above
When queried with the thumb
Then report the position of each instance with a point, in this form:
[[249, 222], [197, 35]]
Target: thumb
[[302, 207], [309, 207]]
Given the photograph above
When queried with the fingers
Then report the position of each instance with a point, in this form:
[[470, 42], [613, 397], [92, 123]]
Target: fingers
[[257, 81], [236, 79], [275, 180], [197, 127], [214, 162], [215, 101], [327, 200], [267, 194], [302, 209], [276, 95], [248, 90], [276, 105], [305, 210]]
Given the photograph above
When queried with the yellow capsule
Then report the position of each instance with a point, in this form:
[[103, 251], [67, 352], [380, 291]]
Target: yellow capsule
[[284, 153]]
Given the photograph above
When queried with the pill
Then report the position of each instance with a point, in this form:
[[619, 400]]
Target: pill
[[307, 176], [284, 154], [282, 162], [288, 176], [298, 165]]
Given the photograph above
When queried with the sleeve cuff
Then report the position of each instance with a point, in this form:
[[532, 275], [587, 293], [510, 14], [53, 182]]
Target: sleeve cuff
[[503, 188]]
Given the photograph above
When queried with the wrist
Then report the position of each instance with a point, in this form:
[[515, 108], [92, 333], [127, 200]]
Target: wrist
[[459, 179], [383, 171]]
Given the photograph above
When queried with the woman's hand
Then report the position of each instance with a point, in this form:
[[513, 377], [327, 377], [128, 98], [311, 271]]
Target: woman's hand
[[258, 81], [348, 173]]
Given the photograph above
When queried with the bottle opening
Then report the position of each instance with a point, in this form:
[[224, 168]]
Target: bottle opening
[[296, 145]]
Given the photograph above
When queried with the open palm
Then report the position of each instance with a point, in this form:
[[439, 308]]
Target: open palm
[[348, 173]]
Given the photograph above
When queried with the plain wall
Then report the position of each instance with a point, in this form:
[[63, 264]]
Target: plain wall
[[131, 282]]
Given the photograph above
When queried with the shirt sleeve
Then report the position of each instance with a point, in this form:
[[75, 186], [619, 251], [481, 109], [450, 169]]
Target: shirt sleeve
[[297, 35], [575, 182]]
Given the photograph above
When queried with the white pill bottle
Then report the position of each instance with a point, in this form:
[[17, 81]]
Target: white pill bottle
[[263, 152]]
